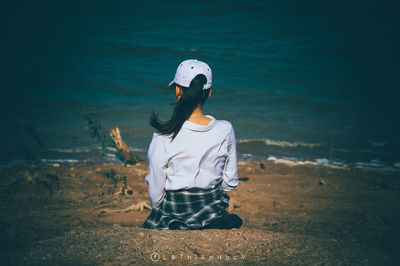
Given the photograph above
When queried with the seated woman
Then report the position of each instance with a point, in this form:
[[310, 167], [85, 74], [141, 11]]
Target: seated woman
[[192, 159]]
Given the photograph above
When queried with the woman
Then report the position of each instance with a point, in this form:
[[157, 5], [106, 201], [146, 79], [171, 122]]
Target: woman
[[192, 159]]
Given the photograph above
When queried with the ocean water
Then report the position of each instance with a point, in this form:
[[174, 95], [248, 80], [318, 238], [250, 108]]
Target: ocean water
[[299, 80]]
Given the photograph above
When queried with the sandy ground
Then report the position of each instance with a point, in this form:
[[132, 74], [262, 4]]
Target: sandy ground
[[75, 214]]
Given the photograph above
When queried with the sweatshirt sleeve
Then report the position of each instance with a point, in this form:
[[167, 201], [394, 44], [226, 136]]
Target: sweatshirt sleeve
[[157, 175], [230, 177]]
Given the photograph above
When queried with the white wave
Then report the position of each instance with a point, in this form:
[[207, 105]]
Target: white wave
[[246, 157], [138, 149], [28, 162], [83, 149], [109, 148], [86, 149], [280, 143], [373, 164], [377, 144], [72, 150], [62, 160], [296, 162]]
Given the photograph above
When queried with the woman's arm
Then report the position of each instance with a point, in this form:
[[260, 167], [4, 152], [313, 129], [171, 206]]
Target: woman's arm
[[230, 177], [157, 175]]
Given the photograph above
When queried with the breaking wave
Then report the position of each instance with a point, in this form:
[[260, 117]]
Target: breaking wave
[[280, 143]]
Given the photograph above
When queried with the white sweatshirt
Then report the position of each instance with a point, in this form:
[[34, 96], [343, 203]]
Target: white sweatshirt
[[198, 157]]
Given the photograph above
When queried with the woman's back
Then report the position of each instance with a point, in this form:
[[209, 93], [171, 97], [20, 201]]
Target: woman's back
[[199, 156]]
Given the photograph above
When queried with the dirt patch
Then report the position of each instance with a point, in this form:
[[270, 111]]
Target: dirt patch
[[81, 214]]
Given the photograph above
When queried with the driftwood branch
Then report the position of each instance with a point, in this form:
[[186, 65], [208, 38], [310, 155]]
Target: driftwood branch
[[123, 148]]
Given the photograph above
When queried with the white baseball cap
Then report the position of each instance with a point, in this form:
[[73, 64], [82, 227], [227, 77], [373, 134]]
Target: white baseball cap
[[189, 69]]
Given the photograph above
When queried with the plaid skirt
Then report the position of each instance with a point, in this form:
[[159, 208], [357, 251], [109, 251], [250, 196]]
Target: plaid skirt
[[188, 209]]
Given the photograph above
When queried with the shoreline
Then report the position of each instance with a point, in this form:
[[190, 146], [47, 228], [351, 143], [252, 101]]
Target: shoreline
[[84, 213], [289, 161]]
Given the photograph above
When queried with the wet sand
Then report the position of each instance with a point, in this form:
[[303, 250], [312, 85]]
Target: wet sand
[[75, 214]]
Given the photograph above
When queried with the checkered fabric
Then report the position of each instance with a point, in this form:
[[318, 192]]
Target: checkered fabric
[[188, 209]]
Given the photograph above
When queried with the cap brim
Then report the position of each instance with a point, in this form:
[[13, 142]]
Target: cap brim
[[172, 82]]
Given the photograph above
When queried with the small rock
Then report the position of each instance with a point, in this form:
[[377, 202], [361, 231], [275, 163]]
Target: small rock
[[56, 165], [98, 169], [322, 182]]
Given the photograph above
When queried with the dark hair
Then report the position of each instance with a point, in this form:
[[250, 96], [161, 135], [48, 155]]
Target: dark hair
[[191, 97]]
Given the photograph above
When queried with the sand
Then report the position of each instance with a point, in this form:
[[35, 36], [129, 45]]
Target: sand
[[75, 214]]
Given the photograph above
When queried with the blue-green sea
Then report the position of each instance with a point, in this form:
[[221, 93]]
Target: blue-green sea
[[299, 80]]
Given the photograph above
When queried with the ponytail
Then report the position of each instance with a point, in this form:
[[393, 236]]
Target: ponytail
[[184, 107]]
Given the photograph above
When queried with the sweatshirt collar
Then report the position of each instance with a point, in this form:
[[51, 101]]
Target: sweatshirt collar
[[196, 127]]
